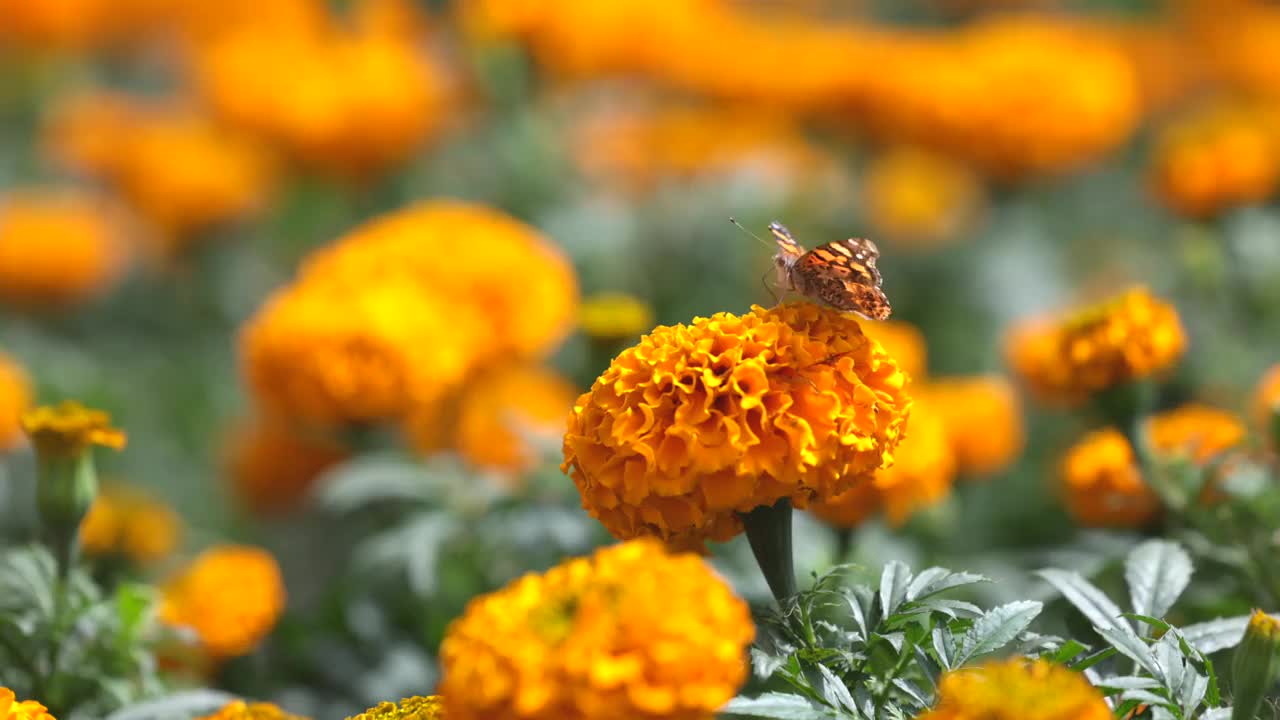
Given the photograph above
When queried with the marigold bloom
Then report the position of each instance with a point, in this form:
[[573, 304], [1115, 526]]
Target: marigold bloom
[[919, 198], [614, 316], [630, 632], [501, 414], [1102, 485], [1266, 399], [1017, 689], [317, 92], [983, 420], [1198, 431], [904, 343], [517, 280], [1128, 337], [698, 423], [11, 709], [230, 595], [272, 464], [922, 475], [1216, 158], [15, 398], [240, 710], [126, 521], [327, 354], [414, 708], [56, 248], [69, 428], [67, 25]]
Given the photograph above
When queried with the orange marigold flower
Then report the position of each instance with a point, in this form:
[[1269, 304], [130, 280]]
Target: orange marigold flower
[[316, 92], [330, 354], [125, 521], [230, 595], [1017, 689], [919, 198], [922, 475], [15, 398], [56, 248], [905, 344], [1217, 157], [698, 423], [11, 709], [614, 316], [983, 420], [516, 279], [1266, 399], [174, 165], [69, 428], [273, 464], [240, 710], [67, 25], [414, 708], [630, 632], [1102, 485], [501, 415], [1128, 337], [1198, 431]]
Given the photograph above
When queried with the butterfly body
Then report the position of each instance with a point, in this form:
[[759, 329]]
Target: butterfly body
[[841, 274]]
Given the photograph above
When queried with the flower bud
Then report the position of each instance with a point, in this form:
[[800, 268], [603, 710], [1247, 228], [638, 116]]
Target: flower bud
[[1255, 665]]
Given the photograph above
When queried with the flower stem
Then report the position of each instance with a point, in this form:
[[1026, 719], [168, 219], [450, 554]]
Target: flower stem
[[769, 533]]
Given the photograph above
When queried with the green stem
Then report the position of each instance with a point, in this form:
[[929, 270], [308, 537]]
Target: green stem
[[769, 533]]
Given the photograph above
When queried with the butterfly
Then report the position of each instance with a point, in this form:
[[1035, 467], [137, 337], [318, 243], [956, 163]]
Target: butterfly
[[841, 274]]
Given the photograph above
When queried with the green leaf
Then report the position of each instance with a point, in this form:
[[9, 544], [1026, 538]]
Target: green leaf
[[1157, 572], [187, 704], [935, 580], [1069, 650], [835, 692], [1086, 598], [773, 706], [1127, 643], [1093, 659], [997, 628], [894, 580], [1214, 635], [1128, 682]]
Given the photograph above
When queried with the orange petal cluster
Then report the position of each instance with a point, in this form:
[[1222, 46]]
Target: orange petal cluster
[[1017, 689], [11, 709], [230, 595], [983, 419], [126, 521], [630, 632], [415, 708], [920, 199], [69, 428], [241, 710], [57, 248], [1128, 337], [700, 422], [273, 464], [1102, 485], [15, 399], [1266, 399]]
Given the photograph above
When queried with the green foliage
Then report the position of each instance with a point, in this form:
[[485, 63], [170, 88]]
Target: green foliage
[[83, 652], [855, 651]]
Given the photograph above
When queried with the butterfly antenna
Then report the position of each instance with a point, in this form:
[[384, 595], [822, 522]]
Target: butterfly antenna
[[748, 232], [765, 284]]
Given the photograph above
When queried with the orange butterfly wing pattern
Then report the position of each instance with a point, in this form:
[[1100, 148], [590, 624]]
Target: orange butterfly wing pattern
[[842, 274]]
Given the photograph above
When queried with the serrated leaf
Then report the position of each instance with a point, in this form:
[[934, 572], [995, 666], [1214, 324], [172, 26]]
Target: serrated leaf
[[1149, 698], [1086, 597], [773, 706], [997, 628], [835, 691], [1127, 643], [894, 580], [944, 647], [1168, 657], [1128, 682], [951, 608], [935, 580], [911, 691], [1214, 635], [1068, 651], [1157, 572], [765, 664], [1087, 662]]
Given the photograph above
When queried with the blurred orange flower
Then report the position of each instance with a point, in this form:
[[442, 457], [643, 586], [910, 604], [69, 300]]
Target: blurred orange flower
[[56, 248], [230, 595], [904, 343], [11, 709], [240, 710], [126, 521], [1128, 337], [1198, 431], [1217, 157], [1102, 485], [1266, 399], [71, 25], [983, 420], [272, 464], [15, 399], [1017, 689], [918, 198], [698, 423], [631, 632]]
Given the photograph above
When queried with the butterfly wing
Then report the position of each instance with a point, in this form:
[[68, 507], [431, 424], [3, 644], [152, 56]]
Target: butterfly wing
[[843, 274], [788, 248]]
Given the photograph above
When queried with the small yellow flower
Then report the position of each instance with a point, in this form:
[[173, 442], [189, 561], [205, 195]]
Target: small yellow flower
[[126, 521], [920, 199], [631, 632], [1264, 625], [921, 475], [15, 399], [1102, 485], [11, 709], [272, 464], [1017, 689], [983, 419], [1128, 337], [904, 343], [56, 248], [68, 429], [698, 423], [1266, 399], [230, 595], [414, 708], [614, 316], [240, 710]]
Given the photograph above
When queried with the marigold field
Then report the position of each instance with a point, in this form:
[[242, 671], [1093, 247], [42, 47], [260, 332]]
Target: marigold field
[[398, 360]]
